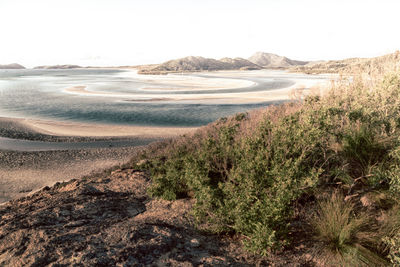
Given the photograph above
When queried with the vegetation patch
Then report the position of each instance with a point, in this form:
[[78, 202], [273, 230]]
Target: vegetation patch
[[248, 173]]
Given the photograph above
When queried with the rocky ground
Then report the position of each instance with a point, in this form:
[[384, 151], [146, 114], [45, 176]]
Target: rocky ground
[[104, 219], [109, 220]]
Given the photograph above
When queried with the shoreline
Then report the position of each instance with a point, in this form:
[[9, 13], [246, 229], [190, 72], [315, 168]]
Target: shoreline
[[216, 98], [84, 131], [25, 172], [218, 80], [22, 172]]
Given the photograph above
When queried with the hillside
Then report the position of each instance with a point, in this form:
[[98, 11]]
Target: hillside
[[268, 60], [240, 63], [58, 67], [12, 66], [258, 61], [324, 171], [192, 64], [353, 65], [309, 183]]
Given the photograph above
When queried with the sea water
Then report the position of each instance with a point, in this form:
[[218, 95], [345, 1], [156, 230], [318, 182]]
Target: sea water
[[115, 97]]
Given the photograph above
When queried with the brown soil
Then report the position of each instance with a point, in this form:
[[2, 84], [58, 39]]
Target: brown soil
[[111, 221]]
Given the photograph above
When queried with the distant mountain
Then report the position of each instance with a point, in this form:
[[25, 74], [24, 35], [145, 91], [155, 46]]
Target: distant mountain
[[58, 67], [353, 65], [191, 64], [240, 63], [268, 60], [13, 66], [258, 61]]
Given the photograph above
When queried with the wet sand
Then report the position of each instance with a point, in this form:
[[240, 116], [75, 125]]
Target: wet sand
[[76, 129], [24, 172], [287, 93]]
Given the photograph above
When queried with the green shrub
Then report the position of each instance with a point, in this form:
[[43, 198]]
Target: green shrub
[[246, 172]]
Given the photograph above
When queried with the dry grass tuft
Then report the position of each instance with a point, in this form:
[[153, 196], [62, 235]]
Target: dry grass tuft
[[344, 237]]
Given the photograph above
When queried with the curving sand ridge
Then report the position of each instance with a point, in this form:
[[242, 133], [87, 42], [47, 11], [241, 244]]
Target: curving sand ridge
[[61, 128], [287, 93], [23, 172]]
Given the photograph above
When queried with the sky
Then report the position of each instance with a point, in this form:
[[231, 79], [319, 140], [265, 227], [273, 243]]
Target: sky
[[132, 32]]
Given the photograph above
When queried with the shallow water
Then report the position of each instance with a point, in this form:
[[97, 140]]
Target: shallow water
[[41, 94]]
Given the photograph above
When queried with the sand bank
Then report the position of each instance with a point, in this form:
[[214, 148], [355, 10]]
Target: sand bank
[[287, 93], [24, 172], [60, 128]]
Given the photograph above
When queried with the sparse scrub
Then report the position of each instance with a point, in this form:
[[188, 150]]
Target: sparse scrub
[[248, 171]]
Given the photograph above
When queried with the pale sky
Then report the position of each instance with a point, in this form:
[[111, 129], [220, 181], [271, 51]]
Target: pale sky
[[130, 32]]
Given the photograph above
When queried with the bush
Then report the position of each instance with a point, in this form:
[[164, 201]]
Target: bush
[[247, 172]]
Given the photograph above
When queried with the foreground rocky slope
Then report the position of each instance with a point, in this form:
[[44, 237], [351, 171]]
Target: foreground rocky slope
[[109, 221]]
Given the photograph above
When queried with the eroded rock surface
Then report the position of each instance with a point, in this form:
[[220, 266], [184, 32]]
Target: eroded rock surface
[[107, 222]]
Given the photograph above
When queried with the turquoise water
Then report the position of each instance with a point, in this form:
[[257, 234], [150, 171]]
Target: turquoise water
[[40, 94]]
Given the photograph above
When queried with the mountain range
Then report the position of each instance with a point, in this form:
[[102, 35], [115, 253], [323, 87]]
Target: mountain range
[[58, 67], [259, 60]]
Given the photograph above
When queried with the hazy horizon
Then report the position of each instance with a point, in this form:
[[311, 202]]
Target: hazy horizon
[[122, 32]]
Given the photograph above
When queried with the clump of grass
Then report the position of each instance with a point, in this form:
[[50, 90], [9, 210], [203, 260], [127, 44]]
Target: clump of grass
[[345, 236]]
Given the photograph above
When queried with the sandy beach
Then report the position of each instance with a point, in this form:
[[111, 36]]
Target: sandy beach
[[300, 87], [22, 173], [76, 129]]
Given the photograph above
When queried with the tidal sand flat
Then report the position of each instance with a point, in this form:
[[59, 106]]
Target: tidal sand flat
[[84, 120], [32, 156], [22, 173], [121, 97]]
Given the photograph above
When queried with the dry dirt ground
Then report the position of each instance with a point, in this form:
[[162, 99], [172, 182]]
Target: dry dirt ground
[[110, 221]]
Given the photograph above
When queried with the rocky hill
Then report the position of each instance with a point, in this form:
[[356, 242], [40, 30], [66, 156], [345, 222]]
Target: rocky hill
[[258, 61], [376, 65], [11, 66], [61, 67], [240, 63], [192, 64], [268, 60]]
